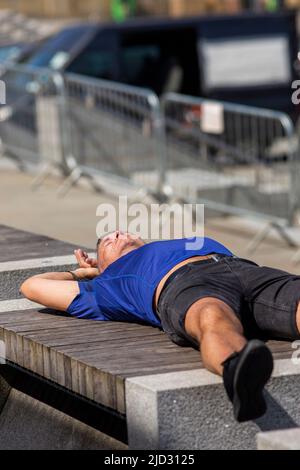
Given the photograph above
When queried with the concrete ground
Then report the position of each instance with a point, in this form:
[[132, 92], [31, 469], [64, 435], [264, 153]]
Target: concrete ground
[[74, 219]]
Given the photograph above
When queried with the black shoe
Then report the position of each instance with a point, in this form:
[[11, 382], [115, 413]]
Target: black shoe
[[245, 376]]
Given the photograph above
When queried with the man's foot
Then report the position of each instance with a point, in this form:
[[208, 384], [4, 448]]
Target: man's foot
[[245, 376]]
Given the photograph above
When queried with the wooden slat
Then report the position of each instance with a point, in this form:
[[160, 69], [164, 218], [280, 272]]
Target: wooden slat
[[17, 245]]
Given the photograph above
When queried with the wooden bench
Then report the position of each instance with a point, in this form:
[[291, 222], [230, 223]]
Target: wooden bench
[[136, 372], [94, 359]]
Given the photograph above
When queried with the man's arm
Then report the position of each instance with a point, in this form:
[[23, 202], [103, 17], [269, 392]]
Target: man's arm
[[56, 290]]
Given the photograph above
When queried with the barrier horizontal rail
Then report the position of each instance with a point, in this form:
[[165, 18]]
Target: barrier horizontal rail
[[235, 159]]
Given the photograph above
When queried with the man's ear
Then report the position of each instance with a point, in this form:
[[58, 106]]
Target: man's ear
[[101, 267]]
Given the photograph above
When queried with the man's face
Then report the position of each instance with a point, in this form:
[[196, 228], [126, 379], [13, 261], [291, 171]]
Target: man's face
[[115, 245]]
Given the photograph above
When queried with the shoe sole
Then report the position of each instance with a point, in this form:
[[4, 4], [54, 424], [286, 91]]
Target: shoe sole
[[253, 372]]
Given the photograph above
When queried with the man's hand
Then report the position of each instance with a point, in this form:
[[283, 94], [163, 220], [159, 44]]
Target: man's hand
[[84, 261]]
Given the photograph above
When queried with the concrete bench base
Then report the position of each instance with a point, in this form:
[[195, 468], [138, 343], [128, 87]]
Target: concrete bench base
[[190, 410], [11, 276]]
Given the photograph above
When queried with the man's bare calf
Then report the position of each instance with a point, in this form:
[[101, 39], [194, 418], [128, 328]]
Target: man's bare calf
[[298, 318], [245, 366]]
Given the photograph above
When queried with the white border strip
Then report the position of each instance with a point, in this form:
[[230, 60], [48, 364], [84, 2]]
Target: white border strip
[[201, 377], [21, 265], [7, 306]]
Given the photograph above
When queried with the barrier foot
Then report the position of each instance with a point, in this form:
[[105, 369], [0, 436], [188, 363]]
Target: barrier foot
[[296, 258], [69, 182], [41, 177], [262, 235]]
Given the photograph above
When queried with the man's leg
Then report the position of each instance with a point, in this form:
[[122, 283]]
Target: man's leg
[[298, 318], [245, 366], [217, 329]]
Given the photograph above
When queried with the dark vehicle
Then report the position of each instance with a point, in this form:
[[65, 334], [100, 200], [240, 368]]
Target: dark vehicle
[[12, 53], [248, 59], [9, 53]]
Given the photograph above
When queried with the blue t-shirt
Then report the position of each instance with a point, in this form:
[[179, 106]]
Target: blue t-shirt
[[125, 291]]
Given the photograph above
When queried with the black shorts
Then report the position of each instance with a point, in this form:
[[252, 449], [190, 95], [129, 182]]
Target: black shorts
[[264, 299]]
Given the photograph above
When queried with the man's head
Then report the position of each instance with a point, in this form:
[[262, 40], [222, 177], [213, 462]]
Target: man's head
[[115, 245]]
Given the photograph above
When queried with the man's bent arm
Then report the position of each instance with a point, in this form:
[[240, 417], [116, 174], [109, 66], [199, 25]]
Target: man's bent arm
[[55, 290]]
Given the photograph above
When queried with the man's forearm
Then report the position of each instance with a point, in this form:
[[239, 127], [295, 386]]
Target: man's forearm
[[77, 274], [54, 276]]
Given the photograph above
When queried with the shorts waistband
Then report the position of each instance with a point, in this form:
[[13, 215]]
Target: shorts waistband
[[216, 258]]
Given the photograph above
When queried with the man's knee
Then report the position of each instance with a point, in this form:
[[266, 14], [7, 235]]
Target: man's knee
[[209, 316]]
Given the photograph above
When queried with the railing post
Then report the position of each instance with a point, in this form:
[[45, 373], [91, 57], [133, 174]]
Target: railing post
[[294, 157], [161, 144], [64, 124]]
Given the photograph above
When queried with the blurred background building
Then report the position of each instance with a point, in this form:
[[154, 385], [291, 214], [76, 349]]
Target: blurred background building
[[119, 9]]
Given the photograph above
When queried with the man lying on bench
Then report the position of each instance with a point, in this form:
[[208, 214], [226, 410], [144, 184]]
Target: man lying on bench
[[197, 291]]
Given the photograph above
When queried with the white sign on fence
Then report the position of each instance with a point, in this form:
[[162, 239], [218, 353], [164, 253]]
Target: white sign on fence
[[49, 132], [2, 352], [212, 118], [2, 92]]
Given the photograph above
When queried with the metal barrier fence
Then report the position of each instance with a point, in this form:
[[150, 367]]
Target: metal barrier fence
[[234, 159], [30, 121], [85, 127], [111, 129]]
